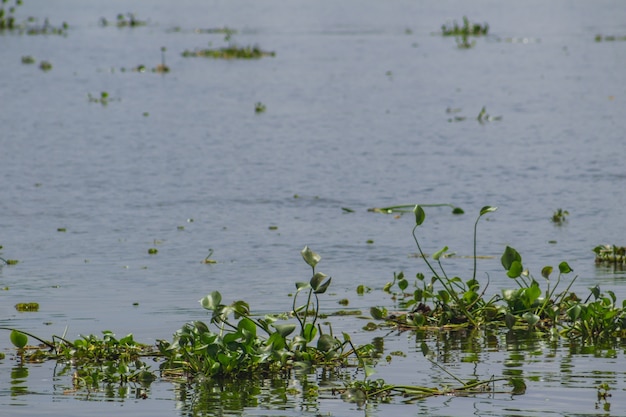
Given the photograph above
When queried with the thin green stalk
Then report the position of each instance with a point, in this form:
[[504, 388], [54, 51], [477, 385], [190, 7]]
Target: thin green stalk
[[422, 253], [45, 342]]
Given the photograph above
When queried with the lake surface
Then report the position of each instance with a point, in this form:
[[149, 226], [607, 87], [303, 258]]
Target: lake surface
[[361, 100]]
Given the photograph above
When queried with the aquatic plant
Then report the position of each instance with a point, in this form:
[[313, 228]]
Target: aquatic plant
[[7, 16], [45, 66], [560, 216], [461, 304], [408, 208], [8, 22], [483, 117], [609, 38], [230, 52], [611, 254], [124, 20], [103, 99], [467, 29], [259, 107]]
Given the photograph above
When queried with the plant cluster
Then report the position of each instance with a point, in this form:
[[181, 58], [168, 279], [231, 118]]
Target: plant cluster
[[234, 345], [559, 216], [7, 16], [124, 20], [467, 29], [450, 302], [609, 38], [229, 52], [8, 22], [610, 254], [464, 32]]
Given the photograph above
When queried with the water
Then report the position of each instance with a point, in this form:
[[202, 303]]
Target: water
[[356, 117]]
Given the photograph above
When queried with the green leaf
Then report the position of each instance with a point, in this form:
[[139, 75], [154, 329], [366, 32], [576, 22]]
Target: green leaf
[[325, 343], [487, 209], [574, 312], [564, 268], [515, 270], [509, 256], [419, 215], [284, 329], [425, 349], [546, 271], [276, 341], [302, 285], [310, 257], [309, 331], [531, 318], [403, 284], [18, 339], [247, 325], [211, 301], [316, 280], [378, 313], [322, 288], [440, 252]]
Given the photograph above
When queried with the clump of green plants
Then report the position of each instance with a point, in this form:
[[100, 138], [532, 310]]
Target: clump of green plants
[[259, 107], [465, 32], [124, 20], [559, 216], [450, 302], [467, 29], [27, 307], [103, 99], [408, 208], [28, 60], [483, 117], [230, 52], [609, 38], [610, 254], [8, 22], [45, 66], [7, 15]]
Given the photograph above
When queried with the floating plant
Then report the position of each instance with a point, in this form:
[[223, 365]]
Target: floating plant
[[560, 216], [124, 20], [468, 29], [229, 52]]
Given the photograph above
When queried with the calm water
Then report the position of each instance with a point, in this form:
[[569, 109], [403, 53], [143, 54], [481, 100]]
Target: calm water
[[356, 117]]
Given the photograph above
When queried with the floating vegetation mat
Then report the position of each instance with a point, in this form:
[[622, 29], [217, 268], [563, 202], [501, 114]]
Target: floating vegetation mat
[[230, 52], [610, 254]]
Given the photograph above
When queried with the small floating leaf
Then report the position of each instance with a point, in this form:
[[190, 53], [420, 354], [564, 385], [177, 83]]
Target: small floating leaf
[[27, 306]]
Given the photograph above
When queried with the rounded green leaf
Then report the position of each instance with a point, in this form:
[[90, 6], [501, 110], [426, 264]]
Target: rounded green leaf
[[325, 342], [515, 270], [211, 301], [419, 215], [546, 271], [509, 256], [18, 339], [564, 268], [284, 329]]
